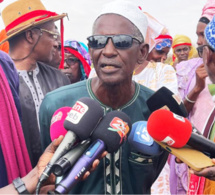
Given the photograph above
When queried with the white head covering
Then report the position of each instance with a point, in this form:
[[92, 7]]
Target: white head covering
[[130, 11], [154, 29]]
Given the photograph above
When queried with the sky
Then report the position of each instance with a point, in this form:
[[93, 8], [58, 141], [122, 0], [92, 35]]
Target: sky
[[179, 16]]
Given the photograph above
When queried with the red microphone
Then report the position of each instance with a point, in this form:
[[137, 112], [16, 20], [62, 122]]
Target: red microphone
[[176, 131], [170, 128], [58, 118]]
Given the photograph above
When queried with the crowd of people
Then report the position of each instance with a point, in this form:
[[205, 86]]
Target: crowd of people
[[122, 66]]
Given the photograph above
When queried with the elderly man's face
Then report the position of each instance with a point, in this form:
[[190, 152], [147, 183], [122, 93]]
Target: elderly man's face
[[113, 65]]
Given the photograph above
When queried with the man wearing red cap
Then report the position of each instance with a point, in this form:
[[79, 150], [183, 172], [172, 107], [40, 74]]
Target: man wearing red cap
[[32, 38]]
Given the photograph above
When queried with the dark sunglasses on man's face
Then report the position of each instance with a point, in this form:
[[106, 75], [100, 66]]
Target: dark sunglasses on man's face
[[119, 41]]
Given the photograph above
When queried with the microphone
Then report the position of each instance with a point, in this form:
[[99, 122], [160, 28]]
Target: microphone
[[141, 141], [109, 135], [176, 131], [69, 159], [57, 128], [80, 122], [166, 99]]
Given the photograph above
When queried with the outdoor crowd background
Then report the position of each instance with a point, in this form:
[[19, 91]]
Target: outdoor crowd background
[[179, 16]]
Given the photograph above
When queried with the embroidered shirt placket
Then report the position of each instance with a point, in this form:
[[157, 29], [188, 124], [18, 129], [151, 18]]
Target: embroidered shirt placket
[[113, 158], [36, 91]]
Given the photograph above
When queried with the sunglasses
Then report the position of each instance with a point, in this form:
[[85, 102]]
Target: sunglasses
[[53, 34], [71, 61], [119, 41], [200, 49]]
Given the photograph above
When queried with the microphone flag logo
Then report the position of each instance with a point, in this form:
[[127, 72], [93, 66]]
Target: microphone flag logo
[[77, 112], [56, 117], [169, 141], [119, 126], [141, 134]]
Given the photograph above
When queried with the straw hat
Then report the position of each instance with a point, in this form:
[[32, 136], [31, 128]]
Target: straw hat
[[24, 14]]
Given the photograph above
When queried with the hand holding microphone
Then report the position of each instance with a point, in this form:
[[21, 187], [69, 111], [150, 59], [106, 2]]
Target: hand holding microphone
[[177, 132], [109, 135], [80, 122]]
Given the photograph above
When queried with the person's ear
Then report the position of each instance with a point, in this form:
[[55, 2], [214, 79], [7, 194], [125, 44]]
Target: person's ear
[[31, 35], [208, 56], [143, 53]]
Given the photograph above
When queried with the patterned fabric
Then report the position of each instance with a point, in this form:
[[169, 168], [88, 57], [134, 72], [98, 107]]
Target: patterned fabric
[[80, 48], [33, 86], [210, 33], [75, 48], [157, 75], [209, 187], [124, 172], [186, 81], [163, 41]]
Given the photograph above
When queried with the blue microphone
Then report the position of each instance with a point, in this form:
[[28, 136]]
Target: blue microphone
[[141, 141]]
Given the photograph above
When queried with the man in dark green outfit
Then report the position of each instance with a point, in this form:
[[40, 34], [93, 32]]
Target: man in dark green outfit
[[116, 46]]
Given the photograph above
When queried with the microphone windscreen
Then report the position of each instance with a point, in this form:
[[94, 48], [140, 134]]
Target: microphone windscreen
[[166, 99], [141, 141], [170, 128], [57, 128], [84, 117], [113, 130]]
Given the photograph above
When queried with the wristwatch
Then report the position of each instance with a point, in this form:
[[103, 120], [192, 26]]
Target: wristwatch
[[20, 186]]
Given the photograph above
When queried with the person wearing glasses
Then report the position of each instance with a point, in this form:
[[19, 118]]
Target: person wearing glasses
[[76, 61], [116, 46], [56, 60], [207, 52], [32, 43], [193, 83]]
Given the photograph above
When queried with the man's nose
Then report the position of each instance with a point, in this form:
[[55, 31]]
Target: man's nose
[[109, 48]]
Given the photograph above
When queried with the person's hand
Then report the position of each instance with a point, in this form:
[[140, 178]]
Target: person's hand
[[46, 157], [94, 165], [207, 172], [201, 74]]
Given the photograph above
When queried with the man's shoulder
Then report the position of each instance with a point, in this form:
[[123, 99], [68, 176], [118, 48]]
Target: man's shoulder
[[145, 91], [56, 73], [48, 68]]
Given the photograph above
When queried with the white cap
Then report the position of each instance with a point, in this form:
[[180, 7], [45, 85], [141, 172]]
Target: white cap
[[129, 10]]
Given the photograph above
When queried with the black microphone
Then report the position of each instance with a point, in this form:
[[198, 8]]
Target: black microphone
[[109, 135], [66, 162], [166, 99], [80, 122]]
